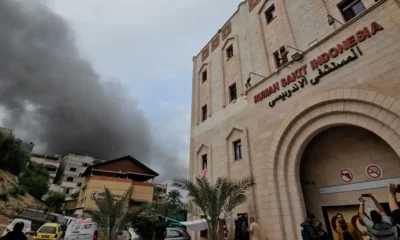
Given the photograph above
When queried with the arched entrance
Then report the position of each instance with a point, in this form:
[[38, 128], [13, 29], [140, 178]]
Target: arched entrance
[[327, 155], [355, 107]]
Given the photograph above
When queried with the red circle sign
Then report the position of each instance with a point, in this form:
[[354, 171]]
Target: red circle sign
[[346, 175], [373, 171]]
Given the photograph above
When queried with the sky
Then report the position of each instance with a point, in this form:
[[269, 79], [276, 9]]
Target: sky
[[146, 48]]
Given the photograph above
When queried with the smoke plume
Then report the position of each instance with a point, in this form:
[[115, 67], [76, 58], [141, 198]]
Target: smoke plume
[[53, 95]]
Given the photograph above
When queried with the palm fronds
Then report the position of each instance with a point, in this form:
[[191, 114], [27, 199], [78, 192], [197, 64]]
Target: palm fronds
[[215, 201]]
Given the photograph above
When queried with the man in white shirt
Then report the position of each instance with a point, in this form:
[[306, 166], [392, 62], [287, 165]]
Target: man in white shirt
[[254, 230]]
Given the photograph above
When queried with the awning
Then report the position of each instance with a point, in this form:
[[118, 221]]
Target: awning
[[196, 225]]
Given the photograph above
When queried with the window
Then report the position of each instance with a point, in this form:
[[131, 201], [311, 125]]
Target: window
[[270, 14], [72, 169], [70, 179], [204, 113], [204, 233], [232, 92], [68, 190], [281, 57], [203, 161], [204, 76], [85, 164], [237, 149], [350, 8], [229, 52], [174, 234], [79, 184]]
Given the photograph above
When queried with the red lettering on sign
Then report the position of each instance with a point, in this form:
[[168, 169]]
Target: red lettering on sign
[[342, 47], [351, 41], [284, 82], [333, 52], [361, 36], [314, 64], [375, 28]]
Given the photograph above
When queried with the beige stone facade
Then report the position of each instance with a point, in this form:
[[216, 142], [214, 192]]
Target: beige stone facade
[[343, 95]]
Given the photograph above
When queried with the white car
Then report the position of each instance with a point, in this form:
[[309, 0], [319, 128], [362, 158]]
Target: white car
[[27, 226], [86, 229]]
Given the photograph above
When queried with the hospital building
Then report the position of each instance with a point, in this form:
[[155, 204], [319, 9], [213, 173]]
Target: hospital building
[[304, 95]]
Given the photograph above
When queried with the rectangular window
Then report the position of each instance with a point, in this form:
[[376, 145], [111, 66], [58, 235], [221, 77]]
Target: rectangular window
[[72, 169], [237, 149], [204, 76], [203, 161], [229, 52], [204, 233], [281, 57], [270, 14], [79, 184], [232, 92], [350, 8], [85, 164], [204, 113]]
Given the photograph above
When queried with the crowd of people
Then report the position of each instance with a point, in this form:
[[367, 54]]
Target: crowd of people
[[379, 225]]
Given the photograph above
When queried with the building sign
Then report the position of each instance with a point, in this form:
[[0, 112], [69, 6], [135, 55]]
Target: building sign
[[98, 196], [373, 171], [346, 175], [297, 79]]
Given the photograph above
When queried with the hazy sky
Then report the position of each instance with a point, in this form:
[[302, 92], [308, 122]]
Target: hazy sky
[[146, 48]]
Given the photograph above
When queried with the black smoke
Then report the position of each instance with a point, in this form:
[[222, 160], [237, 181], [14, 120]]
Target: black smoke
[[54, 96]]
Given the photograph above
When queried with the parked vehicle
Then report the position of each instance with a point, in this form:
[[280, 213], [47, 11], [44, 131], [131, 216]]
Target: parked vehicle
[[177, 234], [51, 231], [39, 217], [86, 229], [69, 220], [26, 230]]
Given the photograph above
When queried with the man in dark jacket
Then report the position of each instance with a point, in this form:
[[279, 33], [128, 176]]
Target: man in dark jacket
[[307, 228], [16, 233]]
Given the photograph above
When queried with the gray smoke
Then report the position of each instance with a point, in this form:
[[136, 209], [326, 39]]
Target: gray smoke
[[55, 97]]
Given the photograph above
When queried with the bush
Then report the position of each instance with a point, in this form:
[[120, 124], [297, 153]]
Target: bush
[[35, 180], [55, 199], [12, 157], [17, 191], [143, 224]]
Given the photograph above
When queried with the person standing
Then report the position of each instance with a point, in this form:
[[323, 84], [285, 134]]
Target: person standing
[[346, 231], [320, 232], [254, 230], [238, 232], [394, 207], [379, 226], [307, 229], [16, 233], [160, 230]]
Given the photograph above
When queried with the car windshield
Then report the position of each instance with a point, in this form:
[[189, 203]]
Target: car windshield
[[48, 229]]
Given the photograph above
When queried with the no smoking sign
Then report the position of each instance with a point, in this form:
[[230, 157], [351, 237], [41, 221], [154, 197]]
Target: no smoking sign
[[373, 171]]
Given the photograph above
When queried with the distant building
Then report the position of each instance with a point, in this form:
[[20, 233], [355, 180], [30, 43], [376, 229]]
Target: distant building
[[160, 193], [73, 166], [49, 161], [118, 176]]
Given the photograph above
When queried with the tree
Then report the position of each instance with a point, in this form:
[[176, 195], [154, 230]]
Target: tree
[[174, 197], [144, 223], [112, 214], [215, 201], [12, 157], [35, 180], [55, 199]]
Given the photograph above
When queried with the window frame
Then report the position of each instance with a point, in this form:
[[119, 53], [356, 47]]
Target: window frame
[[204, 113], [231, 87], [277, 59], [204, 76], [67, 179], [234, 145], [270, 10], [72, 169], [229, 52], [347, 5], [204, 157]]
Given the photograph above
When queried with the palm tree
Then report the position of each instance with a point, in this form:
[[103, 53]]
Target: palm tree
[[113, 214], [174, 197], [215, 201]]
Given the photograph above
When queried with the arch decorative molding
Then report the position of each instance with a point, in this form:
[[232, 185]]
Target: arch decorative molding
[[235, 128], [205, 65], [370, 110], [201, 146], [227, 41]]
